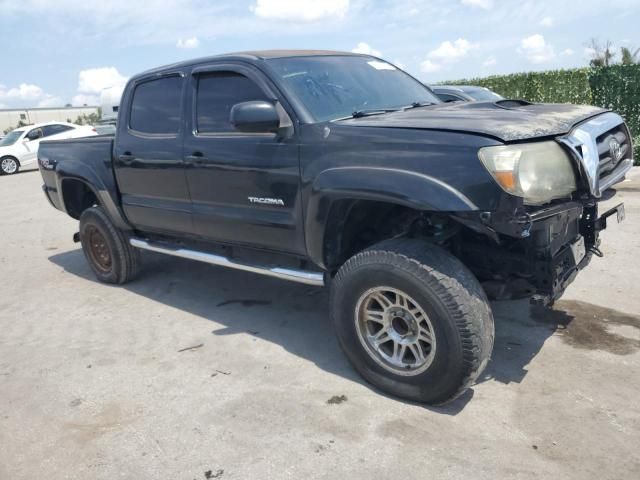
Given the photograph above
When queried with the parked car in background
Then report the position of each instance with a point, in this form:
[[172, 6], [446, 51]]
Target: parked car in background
[[19, 147], [465, 93]]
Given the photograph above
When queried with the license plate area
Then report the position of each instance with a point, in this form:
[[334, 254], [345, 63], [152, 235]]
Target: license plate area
[[618, 211]]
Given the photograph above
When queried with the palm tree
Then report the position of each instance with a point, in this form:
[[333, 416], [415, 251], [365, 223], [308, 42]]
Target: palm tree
[[629, 57], [602, 55]]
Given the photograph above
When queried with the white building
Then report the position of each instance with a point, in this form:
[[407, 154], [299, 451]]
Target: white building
[[10, 117]]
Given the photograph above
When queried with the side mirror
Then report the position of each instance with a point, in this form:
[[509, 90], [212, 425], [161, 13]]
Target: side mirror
[[256, 116]]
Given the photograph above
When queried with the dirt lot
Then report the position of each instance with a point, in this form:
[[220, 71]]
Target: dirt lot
[[196, 372]]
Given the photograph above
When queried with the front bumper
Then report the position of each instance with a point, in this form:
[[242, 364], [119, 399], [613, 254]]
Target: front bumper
[[536, 253], [555, 272]]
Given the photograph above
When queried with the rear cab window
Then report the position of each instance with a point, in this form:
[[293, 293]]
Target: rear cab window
[[156, 106]]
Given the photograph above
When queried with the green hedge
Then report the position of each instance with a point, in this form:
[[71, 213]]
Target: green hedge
[[616, 87]]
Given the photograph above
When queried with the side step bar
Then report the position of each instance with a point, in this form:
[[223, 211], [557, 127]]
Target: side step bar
[[300, 276]]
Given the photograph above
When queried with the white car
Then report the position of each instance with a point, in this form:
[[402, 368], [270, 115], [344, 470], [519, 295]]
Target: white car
[[19, 147]]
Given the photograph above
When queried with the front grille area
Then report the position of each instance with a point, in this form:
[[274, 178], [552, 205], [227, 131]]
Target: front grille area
[[606, 154]]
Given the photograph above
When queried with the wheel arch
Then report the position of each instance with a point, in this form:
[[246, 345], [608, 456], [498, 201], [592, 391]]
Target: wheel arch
[[340, 193]]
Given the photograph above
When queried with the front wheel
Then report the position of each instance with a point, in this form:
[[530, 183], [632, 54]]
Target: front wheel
[[413, 320], [9, 166]]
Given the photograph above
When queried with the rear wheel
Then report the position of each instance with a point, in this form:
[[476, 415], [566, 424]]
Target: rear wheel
[[413, 320], [9, 165], [107, 249]]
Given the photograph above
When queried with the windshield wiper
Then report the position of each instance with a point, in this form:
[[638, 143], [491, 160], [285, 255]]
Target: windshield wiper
[[373, 111], [418, 105]]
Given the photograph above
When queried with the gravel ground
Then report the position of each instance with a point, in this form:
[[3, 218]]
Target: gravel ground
[[196, 372]]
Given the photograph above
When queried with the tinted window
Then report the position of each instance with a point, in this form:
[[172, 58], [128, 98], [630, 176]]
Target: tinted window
[[217, 93], [55, 129], [34, 134], [156, 106], [445, 97]]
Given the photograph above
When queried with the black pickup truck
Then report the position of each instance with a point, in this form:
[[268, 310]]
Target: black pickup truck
[[338, 169]]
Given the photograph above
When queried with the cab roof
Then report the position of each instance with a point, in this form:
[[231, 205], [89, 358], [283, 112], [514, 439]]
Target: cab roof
[[252, 55]]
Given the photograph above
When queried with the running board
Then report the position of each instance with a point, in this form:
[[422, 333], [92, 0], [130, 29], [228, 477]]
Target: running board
[[300, 276]]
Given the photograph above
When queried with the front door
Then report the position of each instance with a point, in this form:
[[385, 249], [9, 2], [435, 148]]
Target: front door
[[148, 156], [31, 143], [244, 186]]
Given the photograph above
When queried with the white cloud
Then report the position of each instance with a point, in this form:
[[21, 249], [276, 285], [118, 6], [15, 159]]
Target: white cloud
[[489, 62], [27, 95], [192, 42], [366, 49], [428, 66], [589, 53], [536, 49], [485, 4], [449, 52], [567, 52], [300, 10], [94, 80], [547, 22], [446, 54], [23, 92]]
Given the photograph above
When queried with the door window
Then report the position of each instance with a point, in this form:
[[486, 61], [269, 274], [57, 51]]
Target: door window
[[155, 107], [49, 130], [35, 134], [217, 93]]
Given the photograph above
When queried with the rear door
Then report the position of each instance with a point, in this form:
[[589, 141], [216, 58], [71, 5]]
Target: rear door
[[244, 186], [148, 155]]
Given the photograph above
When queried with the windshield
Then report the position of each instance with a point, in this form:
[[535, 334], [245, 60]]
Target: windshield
[[333, 87], [484, 95], [11, 138]]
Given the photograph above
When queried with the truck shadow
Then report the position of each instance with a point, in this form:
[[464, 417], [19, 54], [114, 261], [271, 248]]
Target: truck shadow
[[296, 316]]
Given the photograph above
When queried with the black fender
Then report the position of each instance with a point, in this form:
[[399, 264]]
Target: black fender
[[98, 177], [401, 187]]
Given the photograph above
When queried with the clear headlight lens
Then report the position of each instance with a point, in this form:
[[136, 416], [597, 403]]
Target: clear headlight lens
[[538, 172]]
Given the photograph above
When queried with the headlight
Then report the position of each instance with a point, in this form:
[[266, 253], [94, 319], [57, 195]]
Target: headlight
[[538, 172]]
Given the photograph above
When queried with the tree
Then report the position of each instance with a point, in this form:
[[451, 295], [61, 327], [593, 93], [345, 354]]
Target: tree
[[628, 56], [601, 55]]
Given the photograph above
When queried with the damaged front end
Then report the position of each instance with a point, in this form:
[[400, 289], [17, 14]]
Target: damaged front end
[[537, 250]]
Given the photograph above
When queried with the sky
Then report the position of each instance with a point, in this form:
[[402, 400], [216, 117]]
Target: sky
[[67, 51]]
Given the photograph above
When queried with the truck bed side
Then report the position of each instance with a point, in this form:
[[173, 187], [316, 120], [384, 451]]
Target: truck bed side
[[78, 171]]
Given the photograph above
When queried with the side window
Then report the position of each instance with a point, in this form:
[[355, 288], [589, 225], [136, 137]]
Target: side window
[[217, 93], [34, 134], [445, 97], [49, 130], [155, 107]]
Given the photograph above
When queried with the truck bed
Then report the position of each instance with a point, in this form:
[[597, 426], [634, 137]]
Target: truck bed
[[63, 158]]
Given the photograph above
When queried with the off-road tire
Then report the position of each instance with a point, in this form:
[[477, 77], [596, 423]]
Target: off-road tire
[[124, 259], [449, 294]]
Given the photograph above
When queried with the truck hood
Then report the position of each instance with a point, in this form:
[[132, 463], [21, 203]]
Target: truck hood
[[506, 120]]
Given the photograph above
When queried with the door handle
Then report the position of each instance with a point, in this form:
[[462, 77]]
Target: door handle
[[126, 158]]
